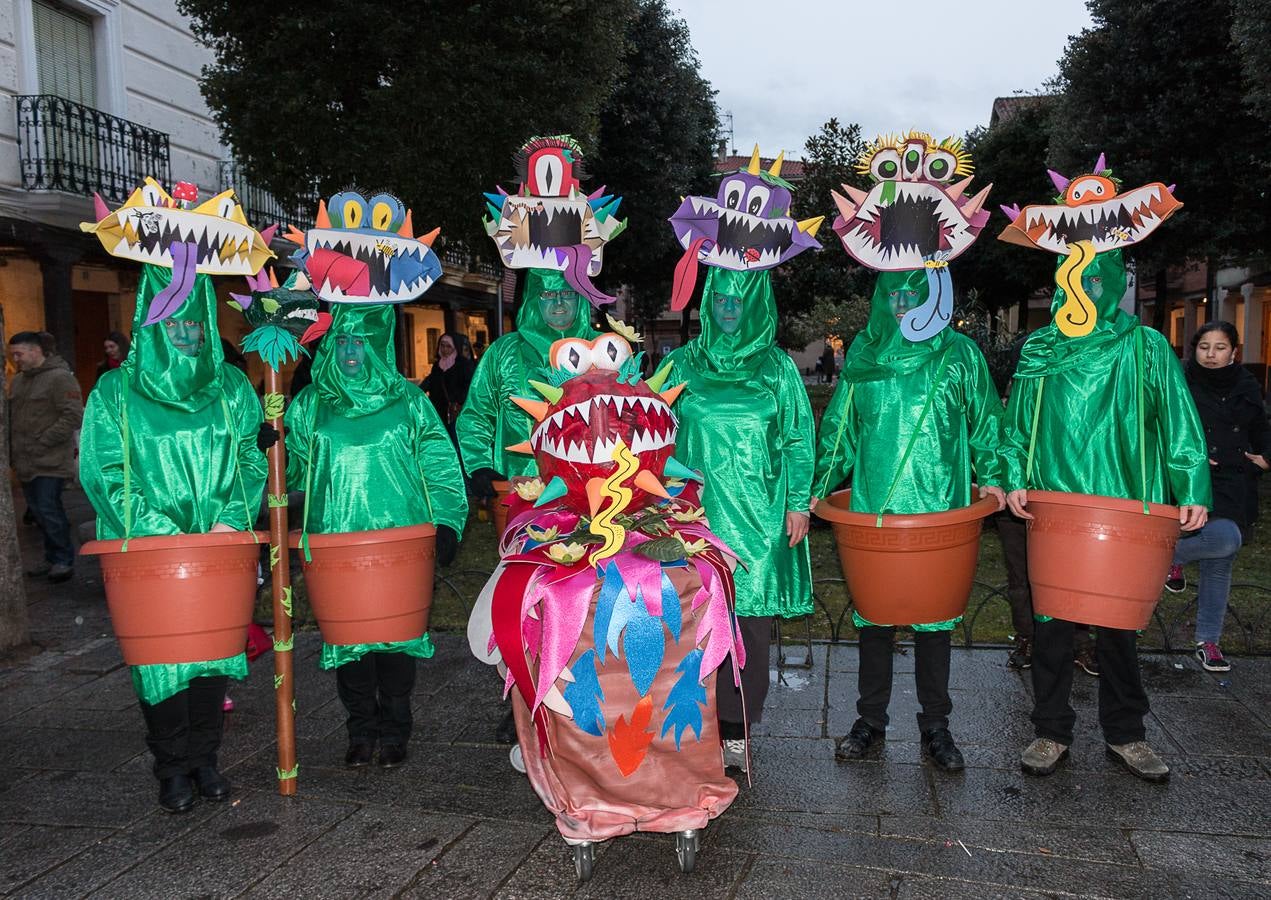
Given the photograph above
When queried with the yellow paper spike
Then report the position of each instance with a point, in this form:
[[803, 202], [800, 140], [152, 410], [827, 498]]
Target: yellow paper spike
[[648, 482], [671, 394], [536, 408], [753, 168], [1077, 317], [775, 171], [811, 225]]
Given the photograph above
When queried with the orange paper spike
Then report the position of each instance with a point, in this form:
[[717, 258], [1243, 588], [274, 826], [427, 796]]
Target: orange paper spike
[[407, 230], [523, 447], [536, 408], [427, 239], [273, 279], [671, 393], [323, 220], [295, 235], [628, 743], [595, 495], [648, 482]]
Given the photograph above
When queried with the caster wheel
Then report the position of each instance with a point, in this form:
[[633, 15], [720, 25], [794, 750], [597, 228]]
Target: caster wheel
[[686, 850], [584, 859]]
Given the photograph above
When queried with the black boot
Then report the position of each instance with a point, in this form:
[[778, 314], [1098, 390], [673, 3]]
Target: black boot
[[176, 794], [939, 746], [212, 784], [856, 743]]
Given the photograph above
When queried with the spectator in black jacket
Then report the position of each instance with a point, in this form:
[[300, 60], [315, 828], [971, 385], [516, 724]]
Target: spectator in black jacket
[[447, 383], [1230, 404]]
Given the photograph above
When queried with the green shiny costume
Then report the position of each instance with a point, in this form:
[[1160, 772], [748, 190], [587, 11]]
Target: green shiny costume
[[890, 380], [370, 452], [746, 423], [1087, 436], [190, 423], [490, 422]]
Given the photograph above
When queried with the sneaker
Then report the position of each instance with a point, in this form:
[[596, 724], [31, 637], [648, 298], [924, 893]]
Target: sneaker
[[517, 758], [1042, 756], [1021, 656], [1141, 760], [735, 754], [60, 572], [1176, 580], [1087, 660], [1211, 658]]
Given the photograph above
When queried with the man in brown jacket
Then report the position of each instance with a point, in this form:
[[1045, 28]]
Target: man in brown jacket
[[45, 409]]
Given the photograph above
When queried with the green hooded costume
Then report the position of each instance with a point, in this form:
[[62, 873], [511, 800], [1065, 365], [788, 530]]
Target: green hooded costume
[[180, 431], [746, 423], [1074, 407], [370, 451], [490, 422], [911, 420]]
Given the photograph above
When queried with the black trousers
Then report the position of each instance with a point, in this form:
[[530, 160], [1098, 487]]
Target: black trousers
[[756, 635], [184, 731], [376, 692], [1122, 700], [931, 676], [1013, 533]]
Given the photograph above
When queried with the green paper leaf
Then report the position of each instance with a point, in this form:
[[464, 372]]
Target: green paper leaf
[[276, 346], [274, 405], [286, 600], [277, 501], [278, 680], [270, 305], [290, 773], [275, 554], [284, 646]]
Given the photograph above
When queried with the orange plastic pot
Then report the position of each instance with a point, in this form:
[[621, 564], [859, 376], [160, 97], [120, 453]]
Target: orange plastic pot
[[912, 570], [1098, 560], [370, 587], [502, 489], [180, 598]]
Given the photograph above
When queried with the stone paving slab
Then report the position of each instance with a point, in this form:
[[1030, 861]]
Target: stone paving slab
[[78, 815]]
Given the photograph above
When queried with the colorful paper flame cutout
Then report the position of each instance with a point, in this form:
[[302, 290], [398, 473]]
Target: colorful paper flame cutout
[[597, 408], [747, 226], [283, 318], [1091, 208], [153, 227], [550, 223], [365, 251], [914, 212]]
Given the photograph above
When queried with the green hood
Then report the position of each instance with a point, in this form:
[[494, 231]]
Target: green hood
[[529, 319], [1050, 350], [739, 353], [159, 371], [881, 351], [379, 382]]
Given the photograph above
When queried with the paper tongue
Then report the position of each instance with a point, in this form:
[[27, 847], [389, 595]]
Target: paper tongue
[[576, 259], [185, 257], [686, 274]]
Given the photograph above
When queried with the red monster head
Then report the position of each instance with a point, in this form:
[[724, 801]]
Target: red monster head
[[602, 432]]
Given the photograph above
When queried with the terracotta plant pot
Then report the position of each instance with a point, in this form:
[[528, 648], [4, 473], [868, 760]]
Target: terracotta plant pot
[[1098, 560], [502, 489], [370, 587], [913, 570], [180, 598]]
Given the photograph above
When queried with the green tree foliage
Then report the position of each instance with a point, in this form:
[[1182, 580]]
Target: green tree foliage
[[1156, 84], [427, 99], [1010, 155], [1251, 28], [828, 276], [657, 143]]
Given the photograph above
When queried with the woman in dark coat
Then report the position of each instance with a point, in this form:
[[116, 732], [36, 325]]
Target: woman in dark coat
[[1230, 404], [447, 383]]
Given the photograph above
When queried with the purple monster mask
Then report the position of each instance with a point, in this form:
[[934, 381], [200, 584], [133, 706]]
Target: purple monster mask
[[746, 227]]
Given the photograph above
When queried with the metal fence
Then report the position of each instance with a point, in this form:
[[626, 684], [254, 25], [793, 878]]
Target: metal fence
[[260, 207], [67, 146], [456, 257]]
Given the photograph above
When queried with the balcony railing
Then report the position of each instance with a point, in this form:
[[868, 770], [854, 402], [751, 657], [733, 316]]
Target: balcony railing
[[66, 146], [259, 205], [457, 258]]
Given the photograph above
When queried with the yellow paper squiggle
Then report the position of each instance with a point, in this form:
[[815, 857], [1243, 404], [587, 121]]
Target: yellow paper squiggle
[[1077, 317], [603, 524]]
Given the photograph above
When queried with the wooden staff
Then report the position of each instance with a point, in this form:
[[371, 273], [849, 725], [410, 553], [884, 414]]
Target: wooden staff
[[280, 570]]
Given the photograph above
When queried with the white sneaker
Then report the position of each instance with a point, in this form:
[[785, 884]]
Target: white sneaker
[[517, 758], [735, 754]]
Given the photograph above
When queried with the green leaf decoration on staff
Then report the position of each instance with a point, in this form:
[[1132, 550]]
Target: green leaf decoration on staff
[[288, 774], [275, 554], [274, 403], [276, 501], [286, 600], [278, 680], [284, 646]]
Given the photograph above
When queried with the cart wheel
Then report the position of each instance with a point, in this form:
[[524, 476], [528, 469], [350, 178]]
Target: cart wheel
[[584, 857], [686, 850]]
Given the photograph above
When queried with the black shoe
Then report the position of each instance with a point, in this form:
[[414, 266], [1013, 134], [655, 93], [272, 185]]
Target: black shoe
[[212, 784], [856, 743], [392, 756], [506, 732], [360, 754], [938, 745], [1021, 656], [176, 794]]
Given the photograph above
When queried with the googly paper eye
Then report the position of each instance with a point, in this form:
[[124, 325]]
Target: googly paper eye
[[572, 355], [609, 352], [885, 166]]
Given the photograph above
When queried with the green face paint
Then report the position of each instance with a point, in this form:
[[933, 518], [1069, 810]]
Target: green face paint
[[350, 352], [903, 301], [186, 335], [1093, 286], [559, 308], [726, 310]]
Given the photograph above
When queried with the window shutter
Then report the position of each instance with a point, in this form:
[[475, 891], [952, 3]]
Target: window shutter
[[64, 53]]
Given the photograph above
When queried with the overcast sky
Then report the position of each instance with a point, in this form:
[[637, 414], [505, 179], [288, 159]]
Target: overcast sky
[[784, 68]]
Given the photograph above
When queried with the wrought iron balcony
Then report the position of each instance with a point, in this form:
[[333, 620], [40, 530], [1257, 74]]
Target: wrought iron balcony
[[66, 146], [260, 206], [456, 258]]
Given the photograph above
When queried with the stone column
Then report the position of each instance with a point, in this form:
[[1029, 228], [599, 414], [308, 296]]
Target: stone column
[[1252, 350], [56, 262]]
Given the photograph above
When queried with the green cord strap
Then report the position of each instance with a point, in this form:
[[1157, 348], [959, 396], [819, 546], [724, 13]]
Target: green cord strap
[[838, 439], [913, 438], [238, 471], [1032, 434], [127, 474], [304, 517], [1138, 377]]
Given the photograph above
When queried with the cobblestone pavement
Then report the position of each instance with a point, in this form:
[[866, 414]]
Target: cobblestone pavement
[[78, 812]]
